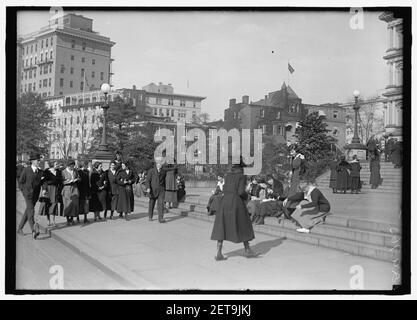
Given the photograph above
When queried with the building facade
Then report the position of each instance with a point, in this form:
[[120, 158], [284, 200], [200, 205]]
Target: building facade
[[279, 114], [65, 57], [162, 101], [393, 91]]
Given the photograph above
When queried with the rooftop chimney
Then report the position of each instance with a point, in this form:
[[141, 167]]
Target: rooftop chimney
[[134, 87], [232, 102], [245, 99]]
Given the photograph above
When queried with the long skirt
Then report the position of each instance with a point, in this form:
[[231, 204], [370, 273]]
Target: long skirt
[[125, 203], [355, 183], [171, 196], [308, 218], [113, 201], [71, 201]]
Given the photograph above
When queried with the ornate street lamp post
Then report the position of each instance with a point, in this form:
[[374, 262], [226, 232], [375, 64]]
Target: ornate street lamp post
[[103, 154], [356, 147]]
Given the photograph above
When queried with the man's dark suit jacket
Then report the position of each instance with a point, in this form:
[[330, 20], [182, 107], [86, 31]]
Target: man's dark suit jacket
[[155, 182], [30, 183]]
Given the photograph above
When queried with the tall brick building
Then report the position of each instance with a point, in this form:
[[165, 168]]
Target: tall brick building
[[279, 114]]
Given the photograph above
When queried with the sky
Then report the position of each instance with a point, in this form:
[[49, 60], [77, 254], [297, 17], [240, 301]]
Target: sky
[[222, 55]]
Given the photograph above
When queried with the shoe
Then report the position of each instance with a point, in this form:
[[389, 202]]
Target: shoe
[[162, 221], [303, 230], [250, 254], [20, 232], [220, 257], [85, 221], [35, 234]]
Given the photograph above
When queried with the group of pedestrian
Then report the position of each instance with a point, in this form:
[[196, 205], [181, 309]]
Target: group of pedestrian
[[83, 187], [345, 175]]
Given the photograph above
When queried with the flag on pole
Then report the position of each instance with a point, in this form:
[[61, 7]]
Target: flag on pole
[[290, 68]]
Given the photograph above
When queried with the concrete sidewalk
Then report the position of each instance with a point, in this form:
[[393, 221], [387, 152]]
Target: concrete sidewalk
[[180, 255]]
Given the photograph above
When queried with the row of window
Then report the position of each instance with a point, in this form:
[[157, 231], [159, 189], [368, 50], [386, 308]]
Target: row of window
[[71, 121], [83, 45], [42, 70], [170, 102], [45, 83], [170, 113], [33, 60], [32, 47], [82, 72]]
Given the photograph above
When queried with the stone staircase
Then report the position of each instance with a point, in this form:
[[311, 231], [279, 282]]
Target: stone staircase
[[376, 240], [392, 179]]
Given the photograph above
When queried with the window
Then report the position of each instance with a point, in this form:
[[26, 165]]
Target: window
[[36, 47], [42, 44], [50, 68], [78, 120], [40, 84], [26, 75], [72, 70], [30, 61], [262, 113], [279, 115], [71, 120], [71, 84], [73, 44], [31, 48], [160, 112], [85, 121], [335, 114], [62, 68], [101, 75], [172, 112], [94, 99], [92, 119], [170, 102], [264, 129], [34, 86], [82, 72], [25, 87], [50, 81], [61, 82], [65, 132], [46, 42], [194, 104], [30, 74], [36, 58], [94, 61], [82, 59], [34, 73], [182, 103], [41, 56], [72, 57], [65, 121], [274, 129], [93, 74], [85, 132], [155, 112], [40, 70], [82, 85], [30, 87], [84, 45], [27, 49], [51, 41], [45, 83], [45, 69]]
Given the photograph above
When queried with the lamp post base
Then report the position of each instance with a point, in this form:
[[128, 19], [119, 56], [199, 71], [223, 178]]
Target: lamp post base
[[103, 156], [357, 149]]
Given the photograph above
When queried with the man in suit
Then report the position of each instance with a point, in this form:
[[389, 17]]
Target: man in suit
[[155, 188], [114, 187], [30, 184]]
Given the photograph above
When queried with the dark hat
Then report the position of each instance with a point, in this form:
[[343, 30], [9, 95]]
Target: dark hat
[[97, 164], [34, 156]]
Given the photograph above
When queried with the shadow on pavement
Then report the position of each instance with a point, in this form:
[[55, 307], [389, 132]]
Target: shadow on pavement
[[260, 248]]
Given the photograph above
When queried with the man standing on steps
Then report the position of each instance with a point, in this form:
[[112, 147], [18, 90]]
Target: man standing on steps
[[30, 184], [155, 188]]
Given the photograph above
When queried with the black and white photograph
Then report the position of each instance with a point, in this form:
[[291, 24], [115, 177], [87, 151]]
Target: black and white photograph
[[227, 149]]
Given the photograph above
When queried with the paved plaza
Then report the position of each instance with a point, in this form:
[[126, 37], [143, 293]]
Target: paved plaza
[[139, 254]]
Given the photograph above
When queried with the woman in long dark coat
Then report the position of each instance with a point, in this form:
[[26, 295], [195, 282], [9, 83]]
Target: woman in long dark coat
[[397, 154], [355, 174], [171, 186], [125, 178], [181, 189], [103, 190], [374, 167], [96, 205], [343, 177], [70, 192], [333, 175], [214, 200], [232, 222], [52, 187]]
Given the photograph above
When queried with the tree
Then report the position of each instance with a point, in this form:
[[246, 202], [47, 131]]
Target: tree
[[274, 156], [313, 141], [204, 117], [32, 119], [128, 132]]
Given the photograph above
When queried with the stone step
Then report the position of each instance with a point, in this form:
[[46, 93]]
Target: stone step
[[324, 235]]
